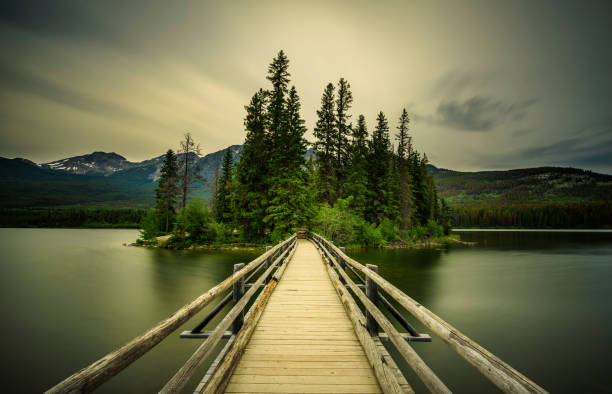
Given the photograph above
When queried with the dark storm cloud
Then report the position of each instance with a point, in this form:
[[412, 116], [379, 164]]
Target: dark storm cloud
[[590, 147], [69, 19], [479, 113]]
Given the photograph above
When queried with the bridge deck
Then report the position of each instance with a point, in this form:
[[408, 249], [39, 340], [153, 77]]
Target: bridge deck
[[304, 341]]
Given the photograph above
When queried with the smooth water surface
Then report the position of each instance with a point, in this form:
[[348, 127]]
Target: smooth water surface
[[541, 301], [68, 297]]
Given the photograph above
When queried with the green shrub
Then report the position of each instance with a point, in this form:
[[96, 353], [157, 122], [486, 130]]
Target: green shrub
[[367, 234], [149, 226], [389, 230], [434, 229], [278, 235], [336, 224], [197, 223], [418, 233], [223, 232]]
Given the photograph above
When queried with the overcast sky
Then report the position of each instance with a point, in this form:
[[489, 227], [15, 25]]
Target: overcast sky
[[488, 84]]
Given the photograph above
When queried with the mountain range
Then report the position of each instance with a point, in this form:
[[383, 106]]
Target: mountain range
[[102, 179]]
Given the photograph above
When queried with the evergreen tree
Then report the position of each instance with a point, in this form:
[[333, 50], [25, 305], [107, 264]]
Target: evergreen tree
[[278, 75], [344, 101], [325, 133], [379, 170], [356, 184], [418, 177], [253, 170], [214, 188], [290, 203], [167, 191], [404, 150], [223, 203], [189, 169], [445, 216]]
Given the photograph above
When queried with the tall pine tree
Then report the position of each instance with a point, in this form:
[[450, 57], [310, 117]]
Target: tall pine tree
[[167, 191], [290, 203], [356, 184], [325, 134], [223, 212], [344, 101], [189, 170], [404, 150], [253, 170], [379, 163], [271, 193]]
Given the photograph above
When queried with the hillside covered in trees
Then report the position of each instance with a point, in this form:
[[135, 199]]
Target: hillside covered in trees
[[544, 197]]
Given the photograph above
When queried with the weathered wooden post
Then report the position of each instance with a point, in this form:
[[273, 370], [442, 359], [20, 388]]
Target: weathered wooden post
[[238, 291], [340, 259], [268, 259], [267, 262], [341, 262], [372, 294]]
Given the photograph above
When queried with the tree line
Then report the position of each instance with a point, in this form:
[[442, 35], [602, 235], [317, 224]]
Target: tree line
[[540, 215], [381, 191], [72, 217]]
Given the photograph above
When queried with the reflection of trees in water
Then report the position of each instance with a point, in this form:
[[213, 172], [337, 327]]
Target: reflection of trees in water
[[412, 271], [536, 240], [180, 276]]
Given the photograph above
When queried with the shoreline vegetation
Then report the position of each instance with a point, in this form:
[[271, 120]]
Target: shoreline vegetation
[[165, 242]]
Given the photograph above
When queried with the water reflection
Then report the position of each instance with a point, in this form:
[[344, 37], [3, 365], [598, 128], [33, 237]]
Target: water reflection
[[538, 300], [72, 296]]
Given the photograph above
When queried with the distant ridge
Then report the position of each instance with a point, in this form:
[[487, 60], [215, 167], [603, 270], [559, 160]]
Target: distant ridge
[[110, 180]]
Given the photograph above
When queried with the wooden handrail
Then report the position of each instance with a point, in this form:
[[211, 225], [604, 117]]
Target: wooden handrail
[[92, 376], [492, 367], [220, 376], [387, 380], [427, 376], [182, 376]]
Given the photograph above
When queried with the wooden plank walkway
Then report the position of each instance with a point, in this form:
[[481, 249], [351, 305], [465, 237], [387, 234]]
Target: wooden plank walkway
[[304, 341]]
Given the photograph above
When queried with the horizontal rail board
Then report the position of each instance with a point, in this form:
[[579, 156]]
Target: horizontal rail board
[[496, 370]]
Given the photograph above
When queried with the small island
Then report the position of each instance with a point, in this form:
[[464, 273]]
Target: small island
[[358, 189]]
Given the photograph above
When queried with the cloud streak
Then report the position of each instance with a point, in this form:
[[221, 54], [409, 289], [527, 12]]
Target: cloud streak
[[479, 113]]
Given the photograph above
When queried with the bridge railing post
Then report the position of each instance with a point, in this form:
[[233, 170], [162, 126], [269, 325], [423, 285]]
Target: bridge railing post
[[372, 294], [238, 291], [340, 259]]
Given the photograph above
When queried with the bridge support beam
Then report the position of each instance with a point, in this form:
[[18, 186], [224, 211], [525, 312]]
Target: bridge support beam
[[372, 294], [238, 291]]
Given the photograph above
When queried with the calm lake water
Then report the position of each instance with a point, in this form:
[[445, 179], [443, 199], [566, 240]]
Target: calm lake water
[[539, 300]]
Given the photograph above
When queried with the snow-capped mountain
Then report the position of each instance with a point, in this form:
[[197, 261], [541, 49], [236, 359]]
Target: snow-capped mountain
[[94, 163], [107, 164]]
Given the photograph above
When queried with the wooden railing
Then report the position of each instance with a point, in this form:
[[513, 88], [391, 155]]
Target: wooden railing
[[493, 368], [92, 376]]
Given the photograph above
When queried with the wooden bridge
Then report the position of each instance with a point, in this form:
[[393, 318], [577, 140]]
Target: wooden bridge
[[304, 332]]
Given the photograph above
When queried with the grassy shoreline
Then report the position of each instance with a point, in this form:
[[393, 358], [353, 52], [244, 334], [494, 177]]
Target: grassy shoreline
[[162, 242]]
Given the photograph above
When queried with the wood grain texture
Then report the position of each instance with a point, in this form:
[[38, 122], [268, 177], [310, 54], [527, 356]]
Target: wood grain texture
[[304, 341], [182, 376], [220, 377], [389, 377]]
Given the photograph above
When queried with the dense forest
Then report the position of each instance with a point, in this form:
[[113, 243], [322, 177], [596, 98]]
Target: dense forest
[[71, 217], [358, 188], [535, 215]]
